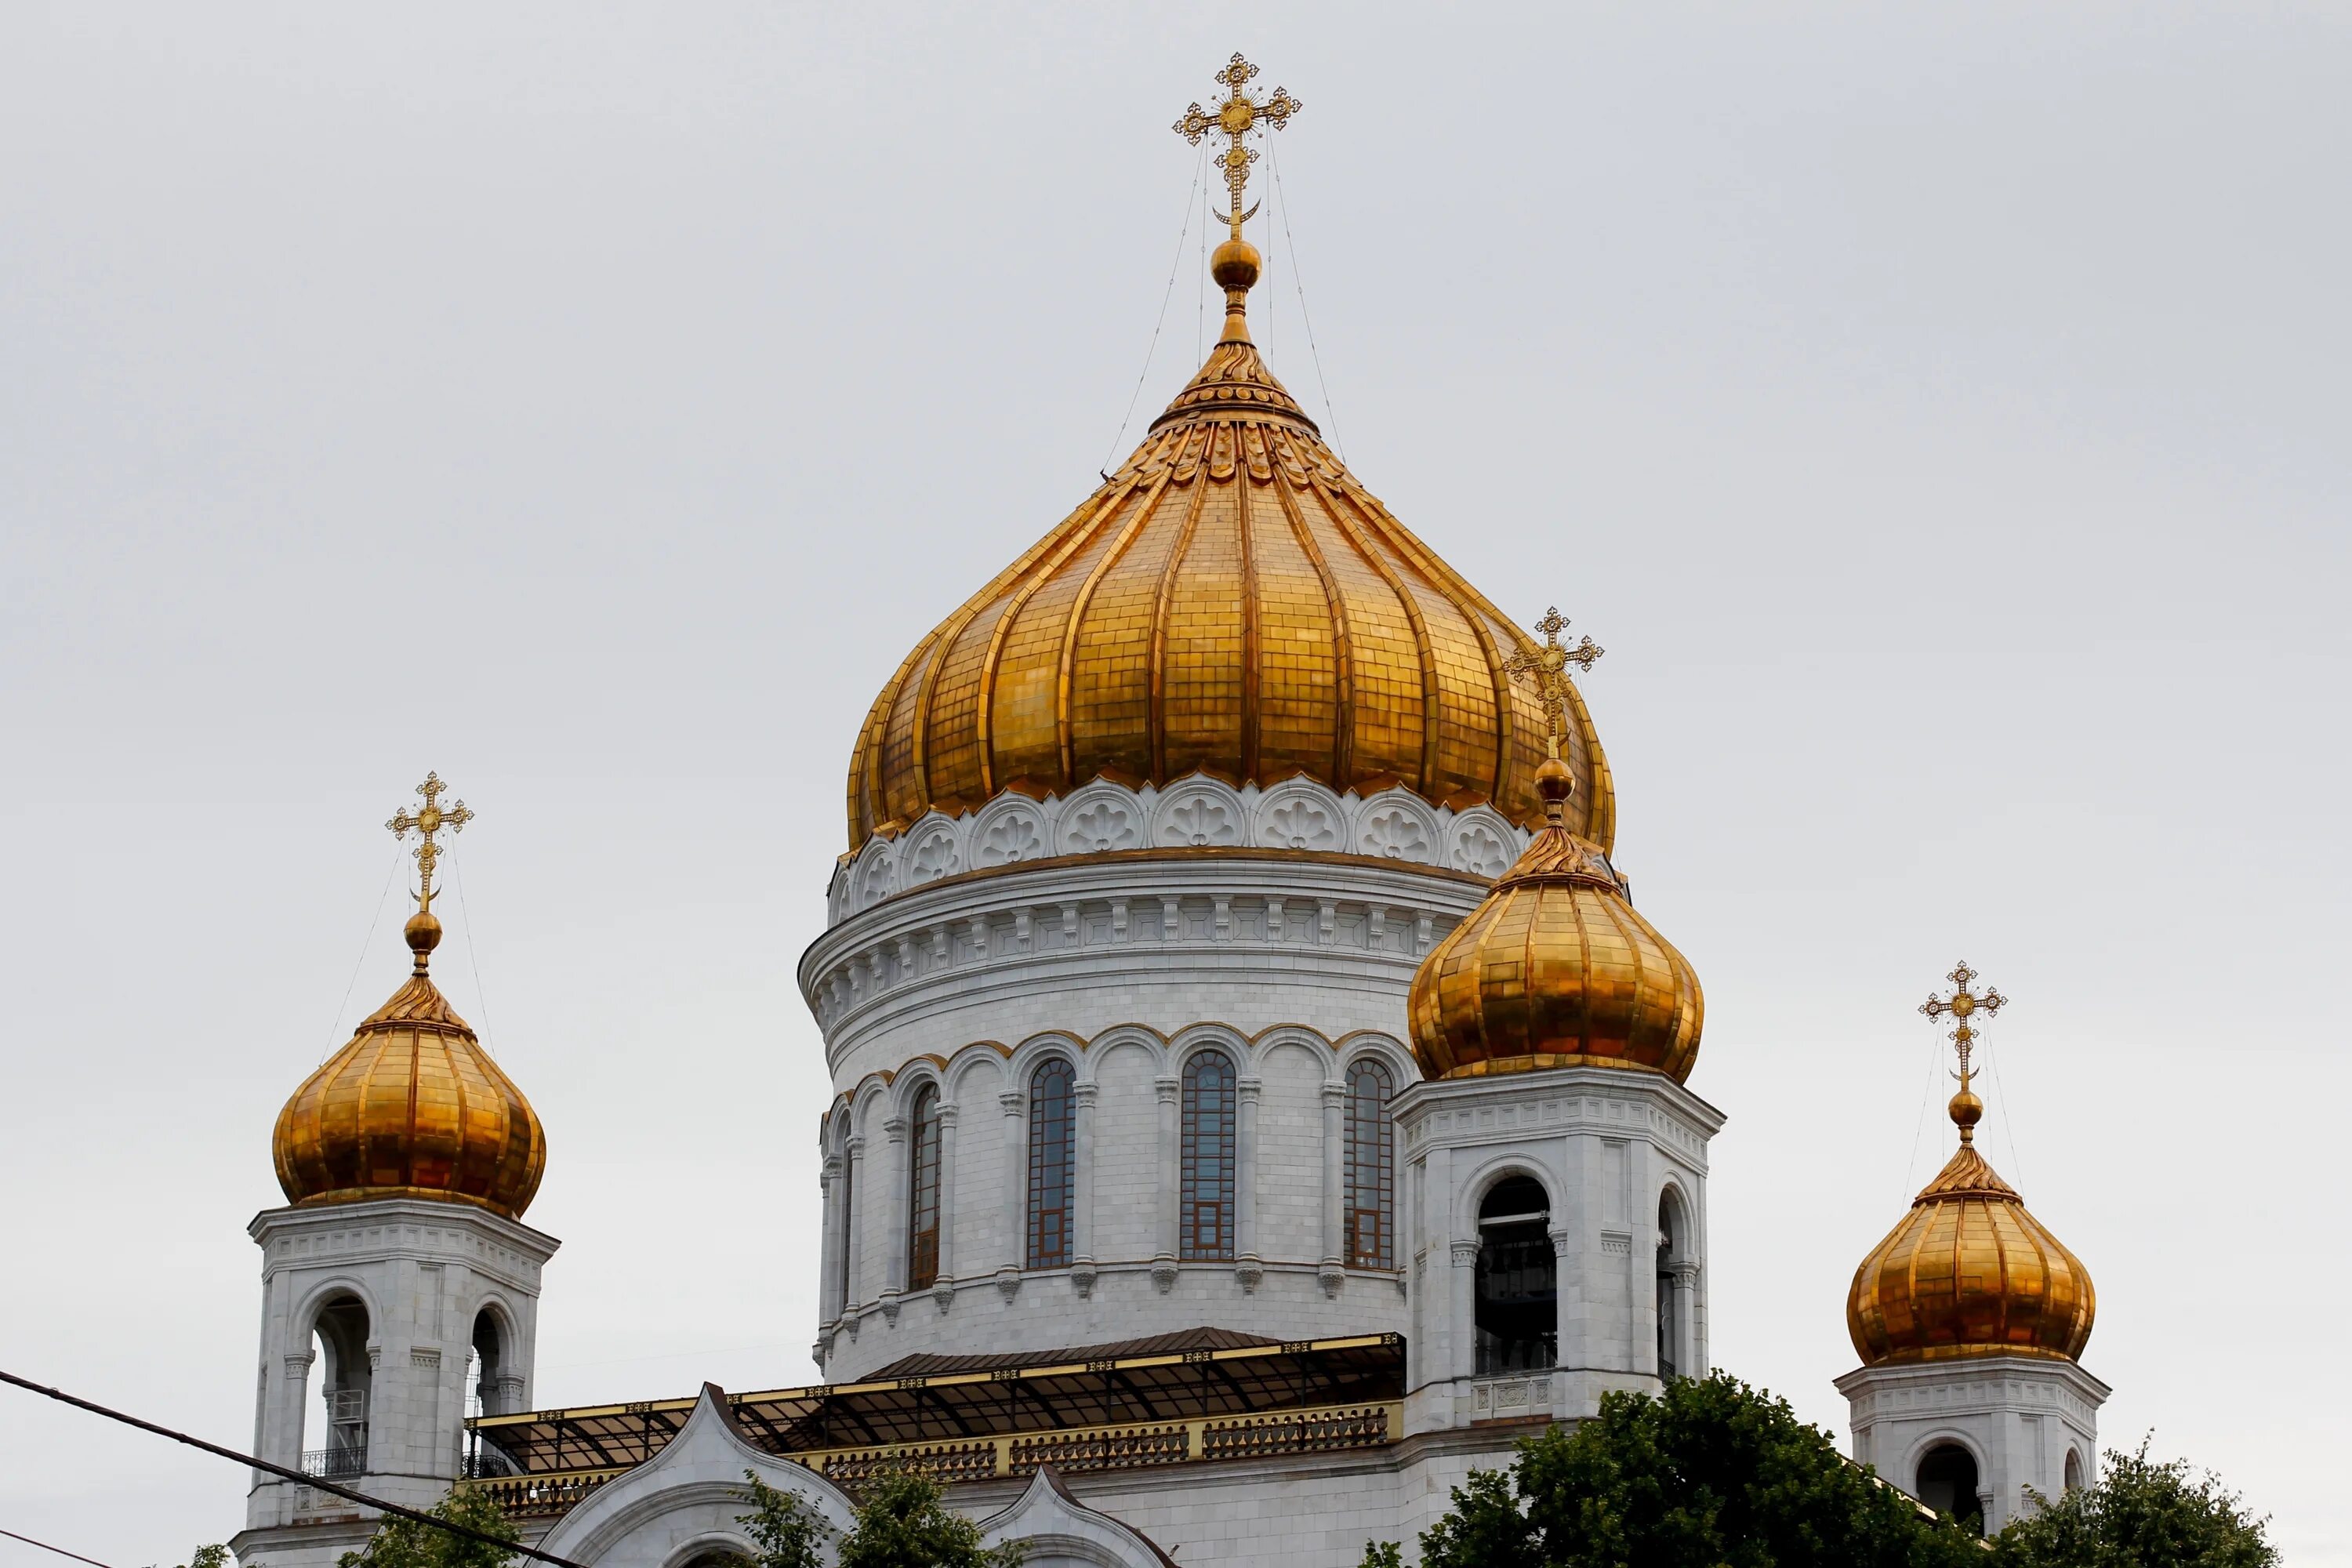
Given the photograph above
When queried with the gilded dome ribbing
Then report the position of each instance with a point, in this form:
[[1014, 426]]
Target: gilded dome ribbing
[[413, 1107], [1968, 1272], [1232, 602], [1556, 969]]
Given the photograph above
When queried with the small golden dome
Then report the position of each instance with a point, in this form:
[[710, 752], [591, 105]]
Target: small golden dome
[[1556, 969], [1968, 1272], [1232, 601], [413, 1107]]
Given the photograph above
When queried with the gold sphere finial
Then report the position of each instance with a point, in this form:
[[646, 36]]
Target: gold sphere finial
[[1555, 784], [423, 934], [1963, 1004]]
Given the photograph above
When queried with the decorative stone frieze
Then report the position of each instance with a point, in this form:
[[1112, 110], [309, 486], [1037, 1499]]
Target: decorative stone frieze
[[1297, 816]]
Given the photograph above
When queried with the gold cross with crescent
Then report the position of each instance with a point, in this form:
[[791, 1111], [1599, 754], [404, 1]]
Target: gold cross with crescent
[[435, 818], [1963, 1005], [1549, 665], [1235, 116]]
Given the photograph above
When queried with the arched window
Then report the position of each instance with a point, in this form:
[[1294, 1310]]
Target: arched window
[[1053, 1147], [345, 1375], [1670, 1242], [1371, 1168], [1518, 1305], [1948, 1483], [2074, 1471], [923, 1191], [1206, 1221]]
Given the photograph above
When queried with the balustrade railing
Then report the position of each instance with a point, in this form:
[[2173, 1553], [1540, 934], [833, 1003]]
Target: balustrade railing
[[1324, 1429], [336, 1464]]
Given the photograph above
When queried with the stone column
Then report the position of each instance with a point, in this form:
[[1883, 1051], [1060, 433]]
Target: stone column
[[1465, 1307], [1247, 1267], [892, 1234], [829, 1292], [1082, 1178], [853, 1238], [1686, 1353], [1163, 1270], [1015, 1253], [943, 1286], [1338, 1248]]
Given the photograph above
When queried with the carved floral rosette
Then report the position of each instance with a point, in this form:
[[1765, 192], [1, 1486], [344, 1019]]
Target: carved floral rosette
[[1297, 816]]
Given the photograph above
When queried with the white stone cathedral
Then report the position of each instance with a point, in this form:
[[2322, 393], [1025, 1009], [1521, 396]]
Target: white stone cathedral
[[1256, 1098]]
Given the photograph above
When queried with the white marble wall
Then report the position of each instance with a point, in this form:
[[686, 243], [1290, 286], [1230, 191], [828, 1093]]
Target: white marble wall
[[1607, 1145], [2019, 1416], [424, 1270]]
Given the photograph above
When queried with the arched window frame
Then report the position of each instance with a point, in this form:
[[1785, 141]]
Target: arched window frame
[[923, 1189], [1211, 1113], [1370, 1162], [1052, 1163], [1516, 1293]]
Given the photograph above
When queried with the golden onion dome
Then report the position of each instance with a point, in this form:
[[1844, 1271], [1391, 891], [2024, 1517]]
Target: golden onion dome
[[1232, 602], [1556, 969], [1968, 1272], [413, 1107]]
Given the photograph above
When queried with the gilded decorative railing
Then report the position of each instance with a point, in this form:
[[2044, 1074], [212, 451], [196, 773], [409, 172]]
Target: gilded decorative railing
[[539, 1496], [1323, 1429]]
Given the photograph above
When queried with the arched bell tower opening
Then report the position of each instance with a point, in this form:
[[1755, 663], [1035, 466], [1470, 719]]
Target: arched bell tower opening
[[338, 1446], [1673, 1271], [1518, 1300], [1947, 1482]]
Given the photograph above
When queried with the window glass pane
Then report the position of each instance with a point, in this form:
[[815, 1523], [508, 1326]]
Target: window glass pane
[[1205, 1215], [923, 1193], [1370, 1157], [1052, 1145]]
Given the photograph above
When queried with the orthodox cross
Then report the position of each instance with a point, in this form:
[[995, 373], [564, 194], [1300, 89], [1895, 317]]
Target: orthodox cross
[[1963, 1005], [1235, 116], [1549, 665], [435, 818]]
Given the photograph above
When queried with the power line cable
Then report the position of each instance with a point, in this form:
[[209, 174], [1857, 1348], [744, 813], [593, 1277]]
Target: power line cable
[[346, 1493], [369, 941], [1199, 165], [1298, 282], [60, 1551], [481, 998]]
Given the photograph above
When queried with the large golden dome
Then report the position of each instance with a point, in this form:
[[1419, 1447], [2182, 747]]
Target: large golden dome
[[1232, 601], [1556, 969], [413, 1107], [1968, 1272]]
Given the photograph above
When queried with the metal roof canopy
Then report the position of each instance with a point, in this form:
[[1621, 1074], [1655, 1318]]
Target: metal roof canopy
[[945, 1406]]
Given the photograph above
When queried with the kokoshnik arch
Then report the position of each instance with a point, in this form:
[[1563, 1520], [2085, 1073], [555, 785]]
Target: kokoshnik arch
[[1257, 1099]]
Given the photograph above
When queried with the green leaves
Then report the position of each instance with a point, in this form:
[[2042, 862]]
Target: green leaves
[[407, 1543], [1711, 1474], [901, 1523], [2141, 1514]]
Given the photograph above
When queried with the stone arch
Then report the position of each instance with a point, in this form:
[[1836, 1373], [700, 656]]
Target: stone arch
[[1099, 818], [1920, 1475], [1006, 831], [341, 1316], [1398, 825], [874, 878], [1392, 1053], [964, 1062], [930, 851], [1200, 812], [1191, 1040], [683, 1502], [1299, 813], [1497, 1170], [1022, 1062], [912, 1078]]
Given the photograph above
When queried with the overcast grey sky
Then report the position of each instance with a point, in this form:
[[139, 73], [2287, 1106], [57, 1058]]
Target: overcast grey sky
[[1938, 413]]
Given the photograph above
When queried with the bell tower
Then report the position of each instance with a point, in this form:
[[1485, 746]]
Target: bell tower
[[1970, 1318], [399, 1283]]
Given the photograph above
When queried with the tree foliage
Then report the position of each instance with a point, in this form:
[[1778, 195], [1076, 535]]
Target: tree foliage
[[902, 1522], [214, 1556], [2141, 1514], [407, 1543], [1710, 1474], [787, 1532]]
